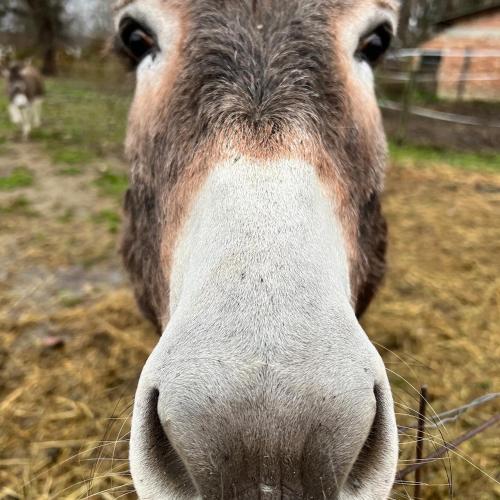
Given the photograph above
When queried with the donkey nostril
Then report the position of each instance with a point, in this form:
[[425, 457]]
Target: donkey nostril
[[152, 450], [374, 447]]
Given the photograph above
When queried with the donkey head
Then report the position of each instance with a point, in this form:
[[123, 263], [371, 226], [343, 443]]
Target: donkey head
[[255, 240]]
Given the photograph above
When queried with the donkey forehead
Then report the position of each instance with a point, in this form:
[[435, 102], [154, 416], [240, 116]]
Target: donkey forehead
[[356, 8], [386, 4]]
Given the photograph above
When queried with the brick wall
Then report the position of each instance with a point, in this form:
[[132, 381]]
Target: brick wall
[[478, 34]]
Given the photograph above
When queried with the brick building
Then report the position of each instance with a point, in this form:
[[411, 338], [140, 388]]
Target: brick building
[[465, 56]]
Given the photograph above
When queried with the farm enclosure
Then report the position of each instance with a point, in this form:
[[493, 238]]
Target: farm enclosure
[[72, 342]]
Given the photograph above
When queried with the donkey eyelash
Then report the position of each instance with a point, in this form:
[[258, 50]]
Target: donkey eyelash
[[117, 49], [133, 43], [374, 44]]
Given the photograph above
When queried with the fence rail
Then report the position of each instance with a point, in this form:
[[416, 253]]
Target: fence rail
[[439, 115], [412, 53], [404, 77], [411, 86]]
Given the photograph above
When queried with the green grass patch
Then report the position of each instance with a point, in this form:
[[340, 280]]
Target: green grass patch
[[67, 216], [83, 120], [18, 206], [70, 171], [20, 177], [112, 183], [70, 299], [421, 156], [7, 129], [110, 218], [70, 155]]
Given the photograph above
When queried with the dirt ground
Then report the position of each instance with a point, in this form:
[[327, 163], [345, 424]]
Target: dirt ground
[[445, 135], [72, 342]]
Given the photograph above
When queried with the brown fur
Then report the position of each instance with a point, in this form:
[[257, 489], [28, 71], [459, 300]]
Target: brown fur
[[278, 89], [24, 79]]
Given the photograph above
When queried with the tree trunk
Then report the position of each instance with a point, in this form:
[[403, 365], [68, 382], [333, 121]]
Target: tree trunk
[[404, 26], [47, 41], [49, 65]]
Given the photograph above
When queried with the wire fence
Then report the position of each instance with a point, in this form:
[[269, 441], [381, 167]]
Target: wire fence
[[445, 52], [443, 86], [439, 115], [404, 77]]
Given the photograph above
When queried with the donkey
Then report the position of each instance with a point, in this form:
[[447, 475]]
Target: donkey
[[25, 91], [254, 239]]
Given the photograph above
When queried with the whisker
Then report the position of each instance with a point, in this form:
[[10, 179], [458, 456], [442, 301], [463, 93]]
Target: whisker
[[107, 431]]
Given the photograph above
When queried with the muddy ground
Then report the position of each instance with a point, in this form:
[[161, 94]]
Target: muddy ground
[[72, 342]]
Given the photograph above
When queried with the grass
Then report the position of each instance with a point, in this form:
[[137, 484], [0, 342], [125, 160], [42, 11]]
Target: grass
[[110, 218], [69, 299], [82, 121], [112, 183], [70, 170], [18, 206], [420, 156], [20, 177], [67, 216], [71, 155]]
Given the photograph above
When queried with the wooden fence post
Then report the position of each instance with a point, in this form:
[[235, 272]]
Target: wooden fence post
[[464, 72], [407, 100], [420, 441]]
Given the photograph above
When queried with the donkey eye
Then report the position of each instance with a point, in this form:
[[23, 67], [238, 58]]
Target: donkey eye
[[373, 47], [136, 41]]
